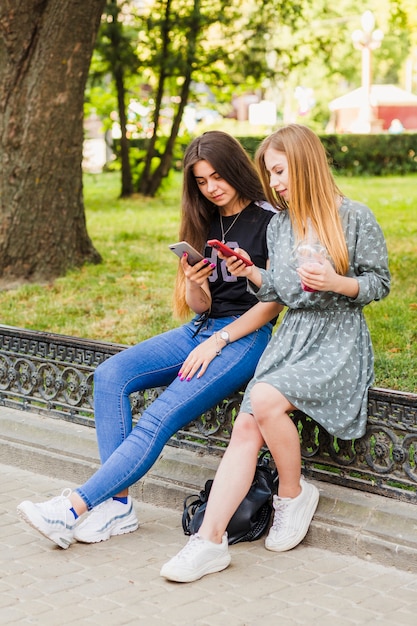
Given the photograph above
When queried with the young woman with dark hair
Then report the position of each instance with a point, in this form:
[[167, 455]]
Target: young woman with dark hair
[[199, 363]]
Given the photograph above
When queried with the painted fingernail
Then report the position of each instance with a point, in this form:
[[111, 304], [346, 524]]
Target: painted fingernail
[[205, 260], [188, 379], [212, 265]]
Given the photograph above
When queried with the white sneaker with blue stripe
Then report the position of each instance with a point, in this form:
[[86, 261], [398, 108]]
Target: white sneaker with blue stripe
[[106, 520], [53, 518]]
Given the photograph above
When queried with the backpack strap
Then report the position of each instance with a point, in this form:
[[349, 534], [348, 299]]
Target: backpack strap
[[191, 505]]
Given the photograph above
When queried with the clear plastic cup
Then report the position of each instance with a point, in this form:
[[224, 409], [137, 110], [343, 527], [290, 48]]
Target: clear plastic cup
[[309, 253]]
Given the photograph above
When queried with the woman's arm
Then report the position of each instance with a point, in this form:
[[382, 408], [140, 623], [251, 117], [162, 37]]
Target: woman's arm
[[369, 277], [199, 359]]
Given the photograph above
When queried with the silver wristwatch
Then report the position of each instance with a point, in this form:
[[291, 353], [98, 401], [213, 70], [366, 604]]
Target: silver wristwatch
[[225, 336]]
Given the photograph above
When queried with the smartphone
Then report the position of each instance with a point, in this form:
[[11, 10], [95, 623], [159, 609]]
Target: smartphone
[[215, 243], [181, 247]]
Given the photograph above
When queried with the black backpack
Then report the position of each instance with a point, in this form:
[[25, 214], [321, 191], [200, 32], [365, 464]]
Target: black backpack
[[251, 518]]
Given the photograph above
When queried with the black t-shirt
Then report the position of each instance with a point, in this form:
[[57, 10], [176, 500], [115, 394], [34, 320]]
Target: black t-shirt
[[229, 293]]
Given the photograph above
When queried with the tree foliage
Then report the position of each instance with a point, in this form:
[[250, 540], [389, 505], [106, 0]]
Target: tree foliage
[[264, 46], [166, 49], [226, 46]]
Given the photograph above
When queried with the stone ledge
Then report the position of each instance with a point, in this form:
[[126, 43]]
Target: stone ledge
[[347, 521]]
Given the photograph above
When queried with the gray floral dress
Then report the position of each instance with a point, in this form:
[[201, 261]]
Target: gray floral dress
[[321, 357]]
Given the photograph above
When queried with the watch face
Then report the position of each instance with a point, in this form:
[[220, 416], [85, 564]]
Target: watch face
[[225, 336]]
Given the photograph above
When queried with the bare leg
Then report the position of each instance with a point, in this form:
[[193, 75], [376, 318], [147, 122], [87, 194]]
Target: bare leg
[[271, 410], [233, 478]]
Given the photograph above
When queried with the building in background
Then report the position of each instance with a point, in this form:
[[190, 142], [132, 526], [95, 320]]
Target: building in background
[[388, 103]]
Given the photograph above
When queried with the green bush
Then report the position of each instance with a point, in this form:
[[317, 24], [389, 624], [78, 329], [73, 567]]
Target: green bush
[[349, 155], [371, 155]]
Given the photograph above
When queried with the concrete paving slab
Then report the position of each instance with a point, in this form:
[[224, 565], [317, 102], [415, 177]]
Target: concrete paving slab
[[117, 582]]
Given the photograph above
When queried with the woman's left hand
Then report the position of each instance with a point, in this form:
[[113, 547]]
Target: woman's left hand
[[199, 359], [318, 276]]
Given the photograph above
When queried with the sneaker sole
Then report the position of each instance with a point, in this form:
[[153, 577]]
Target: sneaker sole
[[104, 536], [54, 536], [189, 577], [313, 502]]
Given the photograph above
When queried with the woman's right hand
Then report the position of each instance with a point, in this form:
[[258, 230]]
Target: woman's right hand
[[239, 268], [235, 266], [199, 359]]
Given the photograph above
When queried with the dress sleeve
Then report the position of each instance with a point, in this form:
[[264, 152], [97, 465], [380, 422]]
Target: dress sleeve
[[370, 262]]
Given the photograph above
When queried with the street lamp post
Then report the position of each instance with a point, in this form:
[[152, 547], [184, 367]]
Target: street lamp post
[[366, 40]]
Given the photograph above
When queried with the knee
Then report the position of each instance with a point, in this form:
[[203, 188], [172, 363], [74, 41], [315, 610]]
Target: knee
[[266, 401], [260, 398], [246, 431], [104, 373]]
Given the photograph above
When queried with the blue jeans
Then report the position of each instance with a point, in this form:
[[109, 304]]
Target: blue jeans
[[127, 454]]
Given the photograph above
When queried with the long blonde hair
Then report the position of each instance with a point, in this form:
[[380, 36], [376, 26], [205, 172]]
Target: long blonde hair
[[314, 195], [228, 158]]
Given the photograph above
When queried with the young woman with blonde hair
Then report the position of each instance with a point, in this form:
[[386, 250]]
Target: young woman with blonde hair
[[328, 259]]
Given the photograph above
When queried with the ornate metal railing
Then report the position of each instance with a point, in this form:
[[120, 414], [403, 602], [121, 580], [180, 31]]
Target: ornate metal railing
[[53, 374]]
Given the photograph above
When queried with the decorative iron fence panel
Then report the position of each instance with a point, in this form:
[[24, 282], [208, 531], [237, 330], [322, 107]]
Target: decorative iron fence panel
[[53, 374]]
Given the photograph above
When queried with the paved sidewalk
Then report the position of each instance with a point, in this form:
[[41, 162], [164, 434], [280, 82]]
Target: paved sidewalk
[[117, 582]]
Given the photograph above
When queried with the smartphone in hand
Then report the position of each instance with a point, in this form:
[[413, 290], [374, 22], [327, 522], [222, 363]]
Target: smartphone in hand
[[181, 247], [215, 243]]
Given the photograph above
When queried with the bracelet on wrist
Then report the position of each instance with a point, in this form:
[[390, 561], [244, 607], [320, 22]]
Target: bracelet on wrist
[[224, 336], [218, 348]]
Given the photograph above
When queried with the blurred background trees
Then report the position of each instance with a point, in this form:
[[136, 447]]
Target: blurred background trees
[[161, 71], [190, 63]]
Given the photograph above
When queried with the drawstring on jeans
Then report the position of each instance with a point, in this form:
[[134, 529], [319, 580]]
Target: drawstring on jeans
[[200, 321]]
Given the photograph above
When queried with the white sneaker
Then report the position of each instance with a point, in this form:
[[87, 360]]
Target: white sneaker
[[292, 518], [106, 520], [52, 518], [198, 558]]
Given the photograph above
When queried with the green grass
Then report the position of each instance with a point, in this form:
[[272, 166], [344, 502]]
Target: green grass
[[393, 321], [128, 297]]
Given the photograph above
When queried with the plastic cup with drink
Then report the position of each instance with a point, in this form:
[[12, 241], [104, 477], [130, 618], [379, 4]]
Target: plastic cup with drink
[[309, 253]]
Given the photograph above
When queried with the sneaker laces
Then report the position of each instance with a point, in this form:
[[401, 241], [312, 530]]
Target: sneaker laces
[[64, 495], [190, 548], [281, 509]]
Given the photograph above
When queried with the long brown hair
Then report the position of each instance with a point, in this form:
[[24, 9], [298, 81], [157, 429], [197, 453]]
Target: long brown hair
[[314, 195], [229, 159]]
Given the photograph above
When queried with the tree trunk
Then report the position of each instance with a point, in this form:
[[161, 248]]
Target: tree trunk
[[127, 183], [45, 53], [146, 178], [165, 163], [151, 181], [114, 31]]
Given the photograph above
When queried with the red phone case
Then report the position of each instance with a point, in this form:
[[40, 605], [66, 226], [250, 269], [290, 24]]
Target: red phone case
[[215, 243]]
